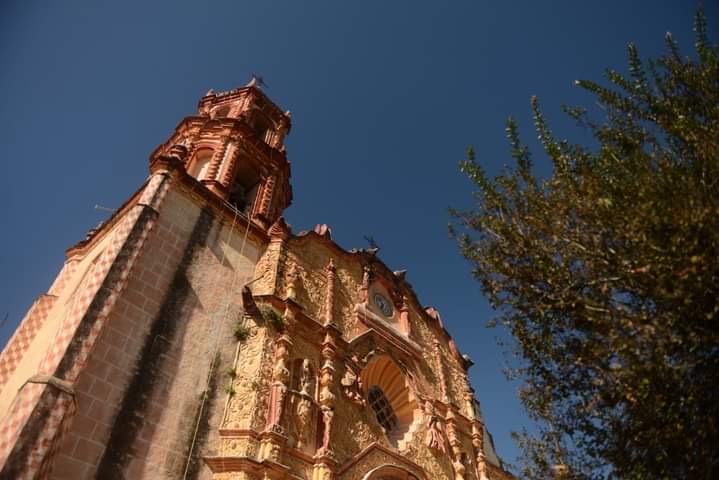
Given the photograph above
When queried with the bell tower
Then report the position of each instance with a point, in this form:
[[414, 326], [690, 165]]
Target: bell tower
[[234, 145]]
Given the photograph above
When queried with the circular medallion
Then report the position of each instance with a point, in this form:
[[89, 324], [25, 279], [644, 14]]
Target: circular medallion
[[383, 304]]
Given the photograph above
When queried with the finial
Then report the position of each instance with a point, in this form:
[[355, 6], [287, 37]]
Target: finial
[[280, 229], [257, 81], [323, 230]]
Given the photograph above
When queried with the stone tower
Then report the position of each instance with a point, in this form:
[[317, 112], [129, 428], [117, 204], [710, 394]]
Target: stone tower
[[193, 335]]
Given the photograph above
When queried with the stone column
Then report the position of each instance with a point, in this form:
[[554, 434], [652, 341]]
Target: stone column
[[404, 322], [279, 234], [478, 445], [439, 367], [325, 463], [280, 383], [330, 295], [460, 469]]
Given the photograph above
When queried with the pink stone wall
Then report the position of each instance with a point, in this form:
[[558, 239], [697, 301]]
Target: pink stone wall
[[139, 396]]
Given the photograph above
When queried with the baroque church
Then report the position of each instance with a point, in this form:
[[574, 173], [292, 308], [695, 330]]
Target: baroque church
[[194, 335]]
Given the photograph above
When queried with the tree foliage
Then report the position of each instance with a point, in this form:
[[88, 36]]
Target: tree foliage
[[607, 274]]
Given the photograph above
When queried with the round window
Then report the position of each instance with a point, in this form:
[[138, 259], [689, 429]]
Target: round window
[[383, 304]]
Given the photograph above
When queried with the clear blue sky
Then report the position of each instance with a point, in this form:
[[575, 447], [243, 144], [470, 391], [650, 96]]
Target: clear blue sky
[[385, 97]]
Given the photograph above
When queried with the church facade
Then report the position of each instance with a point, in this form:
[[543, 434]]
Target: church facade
[[193, 334]]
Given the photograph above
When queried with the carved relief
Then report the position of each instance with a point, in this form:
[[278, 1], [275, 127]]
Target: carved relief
[[478, 445], [434, 436], [326, 397], [366, 279], [439, 365], [280, 381], [262, 384], [352, 383], [303, 421], [303, 412], [333, 425], [460, 469], [244, 402], [306, 380], [291, 277], [330, 296]]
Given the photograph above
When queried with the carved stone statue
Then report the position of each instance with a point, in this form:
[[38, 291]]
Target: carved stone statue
[[291, 285], [352, 384], [364, 289], [460, 469], [327, 414], [434, 437], [304, 418], [280, 378], [306, 377], [478, 444]]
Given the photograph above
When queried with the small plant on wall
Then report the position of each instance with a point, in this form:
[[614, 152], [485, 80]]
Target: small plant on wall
[[241, 332], [230, 389], [271, 316]]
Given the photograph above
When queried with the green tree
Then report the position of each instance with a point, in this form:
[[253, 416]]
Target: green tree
[[607, 274]]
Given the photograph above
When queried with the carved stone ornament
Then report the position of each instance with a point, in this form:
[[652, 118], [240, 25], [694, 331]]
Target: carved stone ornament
[[292, 277], [306, 377], [327, 414], [434, 436], [460, 470], [280, 379], [366, 279], [303, 418], [352, 385], [280, 229], [179, 151], [478, 444]]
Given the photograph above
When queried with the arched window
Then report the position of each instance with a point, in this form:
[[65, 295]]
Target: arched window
[[382, 408], [243, 193], [222, 112], [261, 128], [391, 399], [201, 163]]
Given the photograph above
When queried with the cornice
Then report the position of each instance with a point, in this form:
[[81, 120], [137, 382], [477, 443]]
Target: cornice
[[187, 183], [96, 234], [237, 93]]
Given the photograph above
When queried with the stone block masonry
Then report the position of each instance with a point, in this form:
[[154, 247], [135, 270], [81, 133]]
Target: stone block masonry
[[139, 396]]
